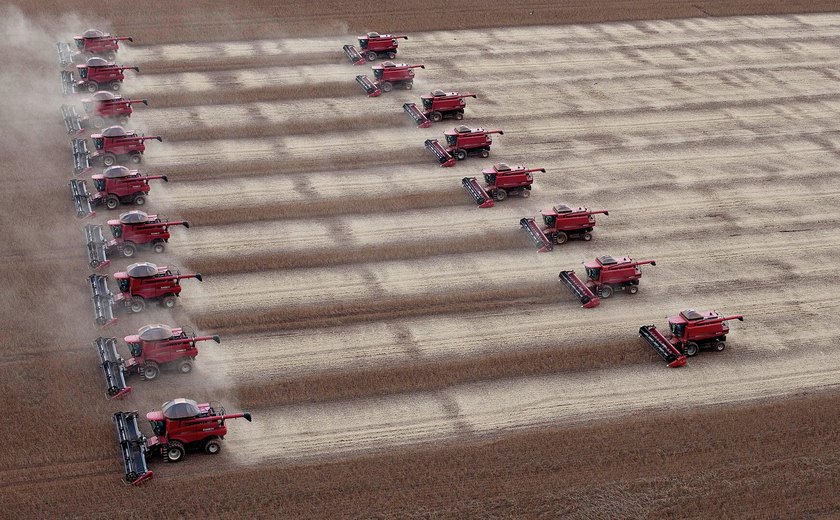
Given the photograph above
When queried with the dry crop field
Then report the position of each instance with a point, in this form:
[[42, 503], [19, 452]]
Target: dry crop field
[[404, 353]]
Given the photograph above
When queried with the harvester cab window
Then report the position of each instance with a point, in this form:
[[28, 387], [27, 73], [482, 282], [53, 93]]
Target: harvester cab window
[[427, 103], [83, 72], [451, 139], [377, 73], [99, 142], [116, 229], [158, 427], [593, 272], [80, 43], [100, 184], [549, 220], [490, 178], [123, 283], [363, 43], [135, 348], [677, 329]]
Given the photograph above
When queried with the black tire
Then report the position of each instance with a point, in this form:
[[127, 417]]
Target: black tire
[[129, 249], [484, 153], [633, 289], [115, 85], [112, 202], [168, 302], [587, 236], [458, 116], [525, 194], [185, 367], [123, 120], [500, 194], [137, 304], [139, 199], [175, 452], [91, 86], [159, 247], [408, 85], [719, 346], [436, 117], [370, 56], [386, 86], [560, 238], [109, 159], [98, 122], [460, 154], [136, 157], [212, 446], [691, 349], [605, 291], [151, 370], [392, 55]]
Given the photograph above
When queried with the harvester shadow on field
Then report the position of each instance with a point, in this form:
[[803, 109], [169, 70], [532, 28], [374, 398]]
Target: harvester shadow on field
[[227, 95], [225, 63]]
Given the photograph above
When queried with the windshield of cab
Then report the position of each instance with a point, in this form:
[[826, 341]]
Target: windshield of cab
[[677, 329], [593, 272], [363, 43], [99, 142], [116, 230], [100, 184], [427, 103], [135, 349], [451, 140], [123, 283]]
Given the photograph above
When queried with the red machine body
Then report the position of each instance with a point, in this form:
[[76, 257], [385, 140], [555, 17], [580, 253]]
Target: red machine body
[[562, 222], [98, 72], [501, 181], [94, 41], [180, 425], [461, 142], [145, 281], [690, 331], [373, 46], [604, 276], [136, 228], [104, 106], [115, 143], [437, 106], [118, 185], [388, 76]]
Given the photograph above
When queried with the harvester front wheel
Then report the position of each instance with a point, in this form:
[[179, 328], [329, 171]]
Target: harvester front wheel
[[560, 238], [137, 304], [460, 154], [370, 56], [175, 452], [719, 346], [159, 247], [212, 446], [500, 194], [437, 117], [185, 366], [115, 85], [128, 249], [91, 86], [109, 159], [151, 370], [691, 349], [605, 291], [387, 86], [112, 202], [168, 302]]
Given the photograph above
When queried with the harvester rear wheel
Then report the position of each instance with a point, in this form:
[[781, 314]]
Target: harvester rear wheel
[[112, 202], [459, 116], [437, 117], [212, 446], [605, 291], [136, 157], [460, 154], [587, 236], [370, 56], [139, 199], [159, 247], [151, 370], [123, 120], [560, 237], [633, 289], [387, 86], [115, 85], [168, 302], [91, 86], [185, 366], [110, 56], [525, 194], [484, 153], [719, 346], [175, 452], [392, 55], [128, 249], [500, 194], [109, 159], [691, 349], [98, 122], [408, 85], [137, 304]]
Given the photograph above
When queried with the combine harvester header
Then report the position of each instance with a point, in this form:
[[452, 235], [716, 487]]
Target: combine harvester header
[[604, 276]]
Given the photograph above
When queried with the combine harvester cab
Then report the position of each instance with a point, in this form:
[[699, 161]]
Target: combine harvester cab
[[116, 144], [97, 73], [180, 425], [437, 106], [133, 230], [689, 332], [562, 223], [105, 107], [501, 181], [462, 142], [154, 348], [604, 276], [388, 76], [103, 300], [118, 185], [133, 448], [72, 120], [81, 199], [144, 282], [373, 46], [91, 43]]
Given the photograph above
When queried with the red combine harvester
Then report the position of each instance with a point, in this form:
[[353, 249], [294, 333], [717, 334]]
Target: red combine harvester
[[604, 276], [461, 142], [388, 76], [102, 108], [114, 186], [562, 223], [113, 145], [502, 180], [95, 73], [180, 425], [153, 348], [373, 46], [690, 331], [133, 230], [141, 283], [437, 106], [90, 43]]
